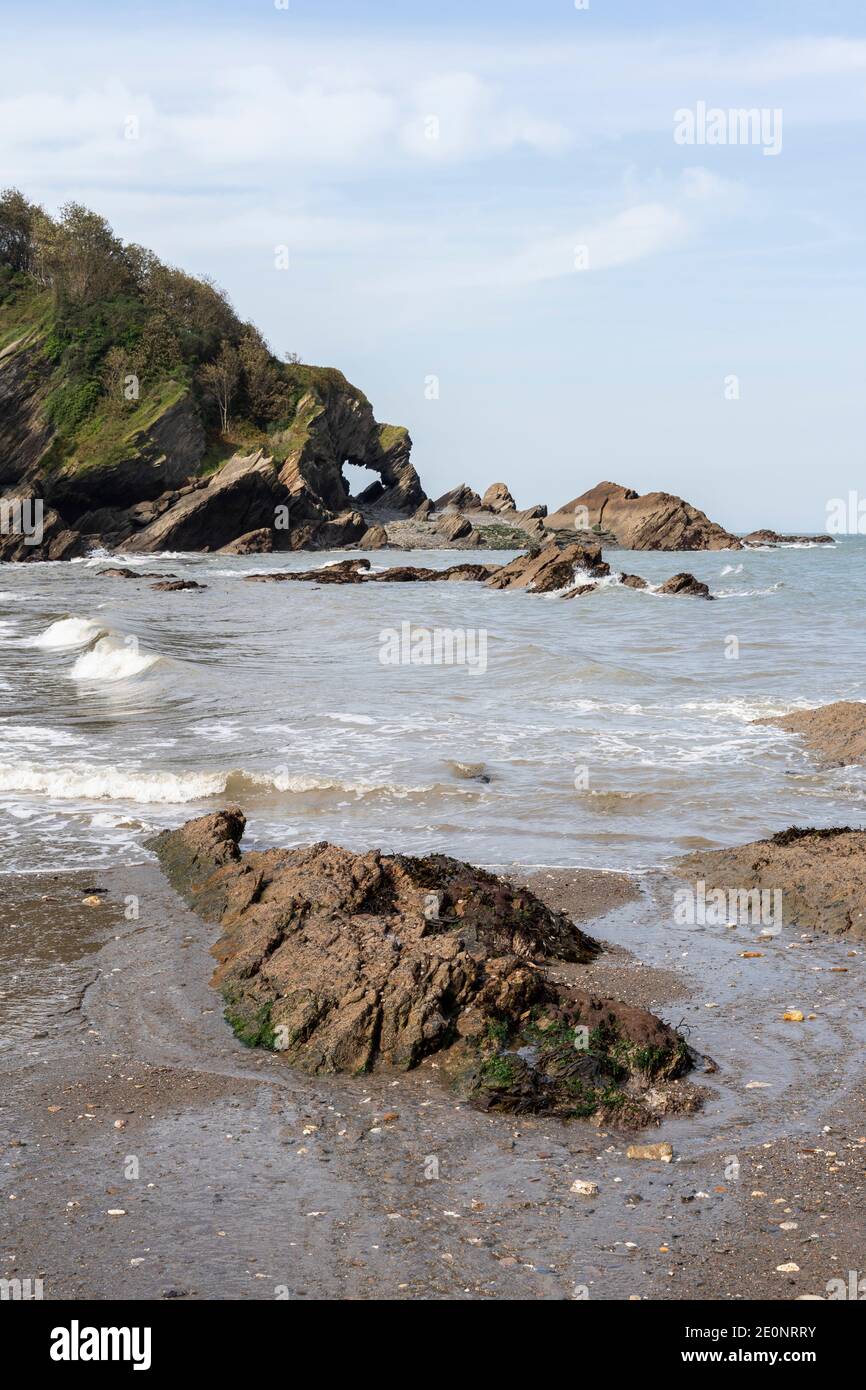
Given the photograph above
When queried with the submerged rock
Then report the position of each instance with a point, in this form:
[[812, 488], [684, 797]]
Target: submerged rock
[[551, 569], [345, 962], [773, 538], [344, 572], [173, 586], [685, 585]]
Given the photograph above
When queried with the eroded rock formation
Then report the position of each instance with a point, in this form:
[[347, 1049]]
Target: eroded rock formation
[[347, 962], [655, 521]]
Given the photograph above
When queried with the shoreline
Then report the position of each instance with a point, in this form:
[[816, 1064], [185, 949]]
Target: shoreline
[[314, 1195]]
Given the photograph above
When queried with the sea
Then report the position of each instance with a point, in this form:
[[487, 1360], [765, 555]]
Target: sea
[[612, 730]]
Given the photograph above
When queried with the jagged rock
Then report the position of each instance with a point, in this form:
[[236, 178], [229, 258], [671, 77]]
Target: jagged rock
[[259, 542], [242, 497], [174, 586], [453, 527], [119, 572], [374, 539], [820, 874], [424, 511], [656, 521], [345, 962], [469, 572], [334, 425], [48, 539], [25, 430], [356, 572], [407, 574], [345, 572], [346, 529], [462, 498], [551, 569], [366, 957], [836, 732], [684, 584], [580, 591], [773, 538], [497, 498], [633, 581]]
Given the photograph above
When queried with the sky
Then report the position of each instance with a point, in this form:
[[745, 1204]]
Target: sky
[[504, 220]]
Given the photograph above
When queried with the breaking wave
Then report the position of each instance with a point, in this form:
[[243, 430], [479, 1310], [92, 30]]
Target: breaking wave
[[91, 782], [112, 660], [67, 635]]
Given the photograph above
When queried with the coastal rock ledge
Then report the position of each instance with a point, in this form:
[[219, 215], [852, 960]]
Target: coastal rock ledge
[[348, 962]]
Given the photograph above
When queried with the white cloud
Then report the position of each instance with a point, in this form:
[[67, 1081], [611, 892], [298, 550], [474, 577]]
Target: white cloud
[[458, 116]]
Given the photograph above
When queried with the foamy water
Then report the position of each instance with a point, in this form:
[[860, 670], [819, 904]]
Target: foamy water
[[615, 729]]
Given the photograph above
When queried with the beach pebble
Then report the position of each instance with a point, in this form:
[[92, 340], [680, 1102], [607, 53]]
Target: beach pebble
[[661, 1152], [584, 1188]]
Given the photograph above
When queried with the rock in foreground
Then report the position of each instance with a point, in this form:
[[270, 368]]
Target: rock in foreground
[[346, 962]]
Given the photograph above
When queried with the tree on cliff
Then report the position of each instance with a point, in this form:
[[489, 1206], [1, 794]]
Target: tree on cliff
[[220, 379]]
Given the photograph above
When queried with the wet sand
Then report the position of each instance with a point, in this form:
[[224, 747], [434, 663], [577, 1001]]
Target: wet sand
[[238, 1178]]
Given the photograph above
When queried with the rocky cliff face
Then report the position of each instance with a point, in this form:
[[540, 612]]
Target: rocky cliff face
[[334, 425], [25, 432], [144, 490]]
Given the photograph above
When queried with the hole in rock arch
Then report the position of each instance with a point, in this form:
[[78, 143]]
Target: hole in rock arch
[[357, 478]]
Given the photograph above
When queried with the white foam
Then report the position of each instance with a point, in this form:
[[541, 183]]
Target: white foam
[[89, 782], [111, 660], [37, 733], [351, 718], [67, 635], [92, 782]]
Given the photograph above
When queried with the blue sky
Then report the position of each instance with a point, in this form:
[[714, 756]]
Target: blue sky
[[434, 171]]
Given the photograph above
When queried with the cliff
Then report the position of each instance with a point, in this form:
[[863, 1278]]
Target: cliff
[[128, 389]]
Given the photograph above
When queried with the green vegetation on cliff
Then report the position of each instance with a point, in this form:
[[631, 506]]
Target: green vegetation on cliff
[[118, 338]]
